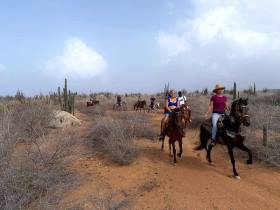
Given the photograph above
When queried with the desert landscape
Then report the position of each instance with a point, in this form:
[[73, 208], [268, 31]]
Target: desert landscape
[[102, 158], [139, 105]]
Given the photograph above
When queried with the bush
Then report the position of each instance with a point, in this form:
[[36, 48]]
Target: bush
[[32, 163], [268, 116], [111, 137], [115, 136]]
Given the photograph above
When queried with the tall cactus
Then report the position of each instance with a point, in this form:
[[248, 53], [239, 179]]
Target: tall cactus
[[234, 91], [254, 88], [65, 106], [59, 97], [68, 99], [166, 89]]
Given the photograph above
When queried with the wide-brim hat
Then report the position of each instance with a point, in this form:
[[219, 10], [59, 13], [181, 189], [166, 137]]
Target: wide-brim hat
[[218, 87]]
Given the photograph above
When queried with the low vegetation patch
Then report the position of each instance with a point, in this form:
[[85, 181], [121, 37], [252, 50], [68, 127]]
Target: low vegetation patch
[[115, 136], [33, 158]]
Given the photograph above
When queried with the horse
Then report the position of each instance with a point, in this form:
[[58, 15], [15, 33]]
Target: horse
[[122, 106], [175, 130], [153, 105], [139, 105], [229, 128], [92, 102]]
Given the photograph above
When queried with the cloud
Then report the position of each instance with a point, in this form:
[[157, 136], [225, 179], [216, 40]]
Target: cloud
[[224, 38], [2, 68], [171, 45], [77, 60]]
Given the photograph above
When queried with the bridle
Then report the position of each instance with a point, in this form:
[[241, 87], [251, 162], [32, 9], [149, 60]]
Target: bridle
[[240, 112]]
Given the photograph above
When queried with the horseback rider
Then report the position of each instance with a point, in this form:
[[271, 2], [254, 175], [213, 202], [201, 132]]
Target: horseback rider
[[170, 105], [218, 106], [152, 104], [119, 100], [181, 99]]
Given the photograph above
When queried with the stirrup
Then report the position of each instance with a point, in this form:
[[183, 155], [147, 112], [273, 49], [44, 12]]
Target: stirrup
[[213, 143]]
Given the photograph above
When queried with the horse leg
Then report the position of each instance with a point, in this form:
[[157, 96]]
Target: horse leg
[[208, 156], [169, 143], [246, 149], [174, 152], [181, 148], [162, 145], [230, 152]]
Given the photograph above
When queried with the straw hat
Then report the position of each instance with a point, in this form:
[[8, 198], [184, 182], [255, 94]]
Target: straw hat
[[218, 87]]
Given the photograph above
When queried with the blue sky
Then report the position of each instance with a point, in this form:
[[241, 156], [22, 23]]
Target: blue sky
[[137, 45]]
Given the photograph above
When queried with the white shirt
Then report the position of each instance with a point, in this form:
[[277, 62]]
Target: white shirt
[[182, 100]]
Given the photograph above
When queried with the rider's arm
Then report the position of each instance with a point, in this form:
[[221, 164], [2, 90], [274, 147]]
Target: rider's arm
[[166, 106], [210, 109], [226, 107]]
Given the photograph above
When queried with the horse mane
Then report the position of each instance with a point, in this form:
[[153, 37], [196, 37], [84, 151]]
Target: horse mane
[[233, 106]]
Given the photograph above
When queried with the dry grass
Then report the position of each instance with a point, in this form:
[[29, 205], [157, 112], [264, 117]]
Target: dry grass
[[115, 136], [264, 112], [33, 159]]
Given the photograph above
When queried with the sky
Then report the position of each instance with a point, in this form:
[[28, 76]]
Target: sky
[[125, 46]]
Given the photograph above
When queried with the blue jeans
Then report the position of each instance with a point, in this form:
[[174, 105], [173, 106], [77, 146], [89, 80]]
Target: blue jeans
[[215, 117]]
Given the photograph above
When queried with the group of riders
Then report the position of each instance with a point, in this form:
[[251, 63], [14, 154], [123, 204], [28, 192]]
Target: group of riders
[[218, 105]]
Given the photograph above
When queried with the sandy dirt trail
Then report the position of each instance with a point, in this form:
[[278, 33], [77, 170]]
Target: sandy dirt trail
[[153, 182]]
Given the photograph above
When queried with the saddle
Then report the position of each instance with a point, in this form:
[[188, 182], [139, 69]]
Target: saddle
[[221, 124]]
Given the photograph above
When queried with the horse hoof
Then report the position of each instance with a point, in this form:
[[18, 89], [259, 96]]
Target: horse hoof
[[236, 177], [180, 155], [249, 162], [211, 163]]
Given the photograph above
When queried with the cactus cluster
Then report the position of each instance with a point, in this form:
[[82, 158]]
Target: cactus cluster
[[166, 90], [68, 103], [252, 90]]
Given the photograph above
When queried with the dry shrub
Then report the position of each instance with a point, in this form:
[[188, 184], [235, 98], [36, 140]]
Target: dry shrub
[[109, 202], [198, 104], [263, 114], [32, 163], [110, 137], [139, 124], [115, 136]]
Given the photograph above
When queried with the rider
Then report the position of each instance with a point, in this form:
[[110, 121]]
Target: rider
[[152, 104], [181, 99], [170, 104], [218, 106], [119, 100]]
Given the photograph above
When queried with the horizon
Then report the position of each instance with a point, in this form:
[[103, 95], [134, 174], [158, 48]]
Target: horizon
[[137, 47]]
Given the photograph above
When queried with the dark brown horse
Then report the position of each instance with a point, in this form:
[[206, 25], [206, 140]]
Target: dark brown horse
[[92, 102], [140, 105], [175, 129], [229, 128]]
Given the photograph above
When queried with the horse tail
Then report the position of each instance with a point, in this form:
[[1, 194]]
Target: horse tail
[[203, 139]]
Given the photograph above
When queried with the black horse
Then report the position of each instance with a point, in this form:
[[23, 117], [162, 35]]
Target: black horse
[[229, 128], [140, 105]]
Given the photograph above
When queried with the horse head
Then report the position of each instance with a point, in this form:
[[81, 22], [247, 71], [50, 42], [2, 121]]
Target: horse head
[[182, 115], [240, 111]]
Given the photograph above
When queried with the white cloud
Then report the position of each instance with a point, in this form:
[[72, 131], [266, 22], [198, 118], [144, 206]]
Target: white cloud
[[77, 60], [2, 68], [171, 45], [224, 35]]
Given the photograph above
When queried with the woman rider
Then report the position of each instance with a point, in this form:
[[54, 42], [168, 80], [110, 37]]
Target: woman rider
[[218, 106], [169, 105]]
